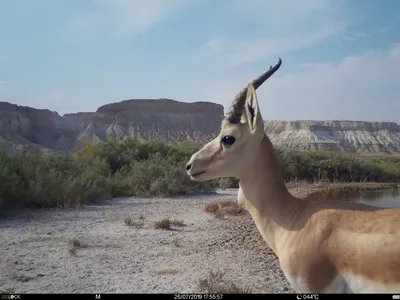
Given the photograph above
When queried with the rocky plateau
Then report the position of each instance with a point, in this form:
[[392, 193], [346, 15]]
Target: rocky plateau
[[29, 129]]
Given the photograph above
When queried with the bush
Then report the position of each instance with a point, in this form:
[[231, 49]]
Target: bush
[[124, 167], [314, 166], [340, 167], [128, 167], [162, 224], [36, 180]]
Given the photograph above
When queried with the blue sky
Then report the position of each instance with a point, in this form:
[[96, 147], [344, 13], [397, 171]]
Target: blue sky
[[341, 59]]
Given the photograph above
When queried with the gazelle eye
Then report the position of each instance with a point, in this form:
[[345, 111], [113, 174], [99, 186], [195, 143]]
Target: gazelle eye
[[228, 140]]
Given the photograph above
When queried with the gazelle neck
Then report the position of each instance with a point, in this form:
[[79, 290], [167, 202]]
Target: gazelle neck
[[264, 194]]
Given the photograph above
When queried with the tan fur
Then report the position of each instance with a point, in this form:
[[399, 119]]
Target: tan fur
[[326, 246]]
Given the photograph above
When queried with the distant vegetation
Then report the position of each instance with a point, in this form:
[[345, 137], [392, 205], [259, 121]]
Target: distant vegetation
[[338, 166], [316, 166], [133, 168], [117, 168]]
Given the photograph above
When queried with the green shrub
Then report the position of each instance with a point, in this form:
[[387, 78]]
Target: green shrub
[[124, 167], [35, 180], [128, 167], [333, 166]]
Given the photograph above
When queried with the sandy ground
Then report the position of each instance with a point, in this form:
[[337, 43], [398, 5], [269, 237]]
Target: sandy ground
[[116, 258]]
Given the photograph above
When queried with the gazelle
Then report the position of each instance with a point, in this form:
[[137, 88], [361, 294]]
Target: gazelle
[[323, 247]]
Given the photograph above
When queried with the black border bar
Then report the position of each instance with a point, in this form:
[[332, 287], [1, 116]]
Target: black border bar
[[198, 296]]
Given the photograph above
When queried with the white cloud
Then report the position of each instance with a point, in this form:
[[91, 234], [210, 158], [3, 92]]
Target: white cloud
[[289, 14], [279, 27], [235, 52], [123, 18], [355, 36], [363, 87], [359, 87]]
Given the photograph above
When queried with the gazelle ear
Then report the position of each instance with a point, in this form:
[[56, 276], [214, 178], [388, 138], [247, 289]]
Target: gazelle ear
[[254, 119], [243, 119]]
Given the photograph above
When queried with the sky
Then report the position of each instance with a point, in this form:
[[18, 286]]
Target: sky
[[340, 59]]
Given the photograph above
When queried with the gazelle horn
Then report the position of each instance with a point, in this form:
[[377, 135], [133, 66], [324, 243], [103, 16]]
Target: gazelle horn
[[236, 109]]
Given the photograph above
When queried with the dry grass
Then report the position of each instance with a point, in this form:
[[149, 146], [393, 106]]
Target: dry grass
[[167, 223], [128, 221], [74, 245], [162, 224], [166, 272], [215, 283], [223, 209]]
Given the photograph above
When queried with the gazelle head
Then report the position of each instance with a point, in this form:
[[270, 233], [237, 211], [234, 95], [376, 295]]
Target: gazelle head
[[242, 130]]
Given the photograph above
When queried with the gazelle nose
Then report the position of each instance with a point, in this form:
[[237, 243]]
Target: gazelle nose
[[188, 167]]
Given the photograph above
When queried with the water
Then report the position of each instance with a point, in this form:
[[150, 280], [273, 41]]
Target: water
[[382, 198], [378, 197]]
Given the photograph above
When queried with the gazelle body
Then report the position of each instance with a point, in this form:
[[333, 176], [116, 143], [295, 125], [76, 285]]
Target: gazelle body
[[323, 247]]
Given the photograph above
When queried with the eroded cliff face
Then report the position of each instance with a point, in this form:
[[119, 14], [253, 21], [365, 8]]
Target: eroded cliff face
[[162, 119], [29, 129], [349, 136], [41, 130]]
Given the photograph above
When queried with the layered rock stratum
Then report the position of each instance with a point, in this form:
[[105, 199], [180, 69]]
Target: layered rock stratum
[[40, 130], [349, 136], [29, 129]]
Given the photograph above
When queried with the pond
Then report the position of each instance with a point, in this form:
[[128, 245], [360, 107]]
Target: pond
[[376, 197]]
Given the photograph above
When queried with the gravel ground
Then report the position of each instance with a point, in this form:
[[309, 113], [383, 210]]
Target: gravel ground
[[38, 256]]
